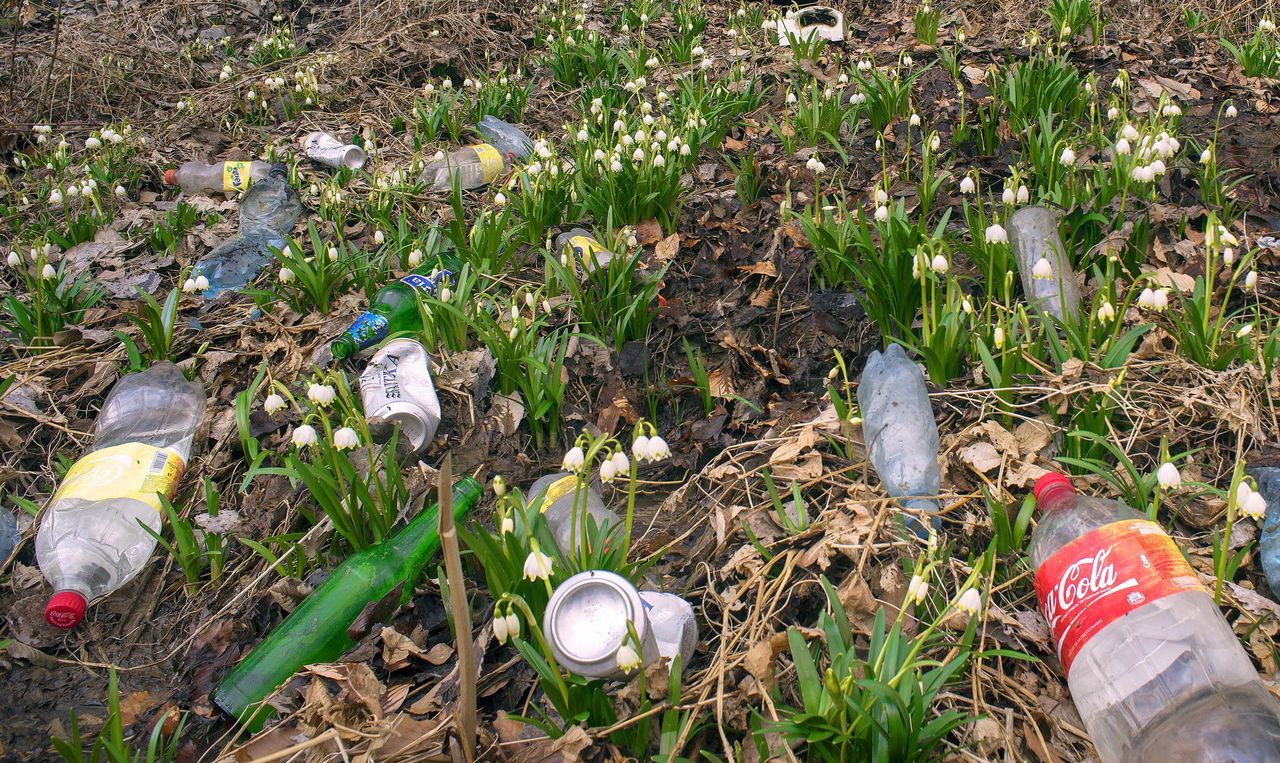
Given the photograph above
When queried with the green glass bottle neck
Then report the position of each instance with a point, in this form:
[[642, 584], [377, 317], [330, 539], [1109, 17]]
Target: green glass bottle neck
[[420, 539]]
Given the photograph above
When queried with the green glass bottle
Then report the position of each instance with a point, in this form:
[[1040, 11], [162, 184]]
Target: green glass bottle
[[366, 587], [395, 307]]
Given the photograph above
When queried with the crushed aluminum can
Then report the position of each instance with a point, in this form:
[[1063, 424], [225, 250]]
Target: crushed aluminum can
[[586, 623], [323, 148], [396, 387]]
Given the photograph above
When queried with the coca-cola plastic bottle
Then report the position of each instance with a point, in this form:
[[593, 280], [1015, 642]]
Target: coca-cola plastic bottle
[[1155, 670]]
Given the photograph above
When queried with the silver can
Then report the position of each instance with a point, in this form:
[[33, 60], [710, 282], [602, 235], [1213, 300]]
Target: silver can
[[586, 624], [396, 387]]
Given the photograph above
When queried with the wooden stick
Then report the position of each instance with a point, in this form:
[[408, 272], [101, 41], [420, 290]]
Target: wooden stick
[[465, 710]]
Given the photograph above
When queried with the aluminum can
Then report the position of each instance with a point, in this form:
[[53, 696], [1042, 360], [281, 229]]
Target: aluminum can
[[396, 387], [325, 149], [586, 623]]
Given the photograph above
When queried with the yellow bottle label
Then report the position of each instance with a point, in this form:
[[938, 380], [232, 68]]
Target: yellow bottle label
[[235, 176], [133, 470], [558, 489], [490, 161], [588, 251]]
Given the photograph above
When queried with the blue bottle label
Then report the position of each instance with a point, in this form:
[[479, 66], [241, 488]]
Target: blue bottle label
[[368, 330], [427, 284]]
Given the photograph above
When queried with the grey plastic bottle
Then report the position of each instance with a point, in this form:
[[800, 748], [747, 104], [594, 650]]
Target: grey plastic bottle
[[267, 213], [1033, 233], [900, 432], [90, 541], [482, 163], [559, 509], [1268, 479]]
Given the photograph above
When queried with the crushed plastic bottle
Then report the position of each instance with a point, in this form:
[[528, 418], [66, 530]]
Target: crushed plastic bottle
[[900, 431], [267, 214], [481, 163], [1268, 479], [90, 542], [583, 251], [8, 534], [1155, 670], [220, 177], [558, 508], [1048, 281]]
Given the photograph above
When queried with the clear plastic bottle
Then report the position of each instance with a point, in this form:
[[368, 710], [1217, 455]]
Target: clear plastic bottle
[[1268, 479], [89, 542], [585, 253], [267, 214], [481, 163], [558, 503], [221, 177], [1155, 670], [900, 431], [1050, 286]]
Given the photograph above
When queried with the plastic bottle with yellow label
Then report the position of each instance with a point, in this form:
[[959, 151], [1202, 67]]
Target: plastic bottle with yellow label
[[90, 541], [582, 251], [480, 164], [558, 507], [221, 177]]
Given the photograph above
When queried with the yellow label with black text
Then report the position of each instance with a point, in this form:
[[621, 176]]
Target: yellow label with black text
[[557, 490], [235, 176], [490, 161], [133, 470], [590, 252]]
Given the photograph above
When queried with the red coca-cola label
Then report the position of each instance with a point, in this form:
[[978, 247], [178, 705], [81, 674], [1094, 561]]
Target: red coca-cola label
[[1104, 575]]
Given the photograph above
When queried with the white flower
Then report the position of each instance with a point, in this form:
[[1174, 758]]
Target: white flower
[[858, 98], [1244, 331], [637, 155], [1147, 299], [864, 65], [658, 160], [1043, 270], [1254, 506], [48, 272], [1129, 132], [304, 435], [658, 449], [939, 264], [816, 166], [513, 625], [1112, 114], [1023, 194], [1251, 280], [345, 438], [1231, 112], [1206, 156], [189, 286], [500, 628], [574, 459], [907, 61], [697, 52], [445, 294], [1068, 157], [1227, 237], [378, 237], [882, 213], [273, 404], [628, 660], [1172, 110], [935, 143], [917, 589], [92, 143], [615, 166], [1007, 196], [1267, 25], [640, 448], [1168, 477], [966, 306], [1122, 147], [1106, 312], [621, 464], [969, 601], [791, 98], [55, 197], [914, 119], [1229, 256], [967, 185], [1159, 300], [321, 394], [608, 471], [286, 275], [996, 234], [537, 565], [881, 196], [120, 192], [14, 260], [998, 337]]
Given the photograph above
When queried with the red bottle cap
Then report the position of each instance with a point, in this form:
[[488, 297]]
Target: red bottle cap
[[171, 177], [1051, 485], [65, 610]]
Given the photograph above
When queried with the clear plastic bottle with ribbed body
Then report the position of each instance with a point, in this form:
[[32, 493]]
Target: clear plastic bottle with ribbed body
[[482, 163], [90, 541], [1155, 670]]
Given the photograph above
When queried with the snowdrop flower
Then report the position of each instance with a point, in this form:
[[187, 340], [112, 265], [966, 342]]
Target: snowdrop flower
[[92, 143], [939, 264], [1267, 25], [1147, 299], [627, 658], [1172, 110], [858, 98], [608, 471], [1159, 300], [791, 98], [1254, 507], [513, 625], [1227, 237], [286, 275], [935, 143], [684, 149], [500, 199], [202, 283], [1206, 156], [447, 84], [1122, 147], [966, 306], [907, 61], [304, 435], [1167, 476], [658, 161], [914, 120], [843, 79], [14, 260], [1112, 114], [499, 486], [969, 601], [345, 438], [640, 448], [574, 459], [917, 589], [500, 628], [697, 52], [537, 565], [1043, 270], [1129, 132], [814, 165], [273, 404], [445, 294], [1244, 331], [48, 272], [1231, 112], [996, 234], [864, 65], [998, 337], [189, 286], [621, 464], [1007, 196], [637, 155], [882, 213], [1229, 256], [1023, 194], [615, 165], [967, 185], [880, 196], [1251, 280], [321, 394], [379, 237], [55, 197], [1068, 157], [1106, 312], [658, 449]]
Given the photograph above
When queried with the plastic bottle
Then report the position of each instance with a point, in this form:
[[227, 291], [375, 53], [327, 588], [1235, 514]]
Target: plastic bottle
[[585, 252], [8, 534], [1268, 479], [558, 508], [481, 163], [1033, 233], [1155, 670], [394, 308], [899, 430], [319, 630], [222, 177], [90, 543], [267, 214]]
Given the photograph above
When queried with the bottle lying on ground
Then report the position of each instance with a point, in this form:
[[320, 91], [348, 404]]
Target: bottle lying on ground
[[267, 214], [395, 307], [1155, 670], [567, 525], [90, 541], [582, 251], [1048, 281], [363, 591], [220, 177], [586, 626], [482, 163]]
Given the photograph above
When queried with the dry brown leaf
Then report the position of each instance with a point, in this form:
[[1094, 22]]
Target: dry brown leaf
[[763, 297], [721, 382], [981, 455], [759, 659], [762, 268], [648, 232], [667, 248], [1173, 280], [789, 450], [439, 654], [397, 648], [1033, 436], [134, 704], [803, 470]]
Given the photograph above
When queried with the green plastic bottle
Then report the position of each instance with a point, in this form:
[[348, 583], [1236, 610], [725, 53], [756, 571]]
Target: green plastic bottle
[[361, 591], [395, 307]]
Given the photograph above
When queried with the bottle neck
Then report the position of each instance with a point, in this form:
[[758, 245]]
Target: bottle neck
[[420, 539], [1056, 497]]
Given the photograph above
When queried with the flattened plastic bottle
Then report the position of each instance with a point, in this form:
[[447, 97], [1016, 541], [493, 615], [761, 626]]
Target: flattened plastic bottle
[[1268, 479], [1048, 281], [558, 508], [89, 542], [482, 163], [900, 431], [267, 214], [220, 177]]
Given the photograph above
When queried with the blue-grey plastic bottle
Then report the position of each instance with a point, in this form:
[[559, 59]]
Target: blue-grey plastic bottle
[[1268, 479]]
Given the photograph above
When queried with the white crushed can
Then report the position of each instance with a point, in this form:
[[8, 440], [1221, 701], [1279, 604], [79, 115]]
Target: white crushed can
[[586, 624], [323, 148], [396, 387]]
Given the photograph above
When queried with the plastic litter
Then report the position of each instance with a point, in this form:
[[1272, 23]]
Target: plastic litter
[[558, 508], [1268, 479], [268, 212], [482, 163], [825, 22], [8, 534], [221, 177], [585, 252], [323, 148], [1033, 233]]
